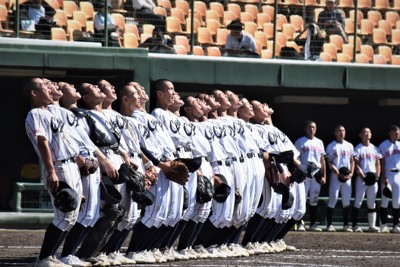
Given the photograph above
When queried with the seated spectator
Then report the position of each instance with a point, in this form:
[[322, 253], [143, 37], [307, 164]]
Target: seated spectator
[[143, 12], [37, 16], [243, 43], [159, 43], [313, 42], [99, 25], [331, 20]]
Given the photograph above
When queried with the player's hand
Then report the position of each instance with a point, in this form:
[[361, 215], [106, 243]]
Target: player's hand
[[111, 171], [323, 180], [165, 166], [131, 163], [217, 181], [52, 181], [384, 180]]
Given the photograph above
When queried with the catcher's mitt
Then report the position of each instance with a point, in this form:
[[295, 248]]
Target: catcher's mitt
[[178, 173], [205, 190], [370, 178]]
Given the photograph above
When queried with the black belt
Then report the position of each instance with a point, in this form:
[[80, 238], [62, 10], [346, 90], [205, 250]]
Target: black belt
[[260, 155], [73, 159], [226, 162], [138, 155], [207, 158], [394, 170], [184, 148]]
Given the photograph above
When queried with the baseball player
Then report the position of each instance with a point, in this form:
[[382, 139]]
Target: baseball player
[[390, 177], [340, 158], [367, 159], [193, 110], [312, 152], [57, 150]]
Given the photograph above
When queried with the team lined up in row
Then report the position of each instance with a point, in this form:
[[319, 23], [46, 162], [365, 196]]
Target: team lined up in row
[[217, 128], [343, 160]]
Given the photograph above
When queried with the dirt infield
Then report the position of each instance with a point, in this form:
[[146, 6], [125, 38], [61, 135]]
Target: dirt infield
[[20, 247]]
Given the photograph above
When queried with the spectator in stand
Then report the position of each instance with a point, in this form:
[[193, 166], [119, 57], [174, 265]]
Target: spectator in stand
[[239, 40], [332, 21], [38, 13], [143, 12], [313, 42], [99, 26]]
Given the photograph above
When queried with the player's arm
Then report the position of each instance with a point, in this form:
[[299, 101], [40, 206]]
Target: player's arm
[[108, 166], [332, 167], [378, 168], [358, 169], [323, 170], [383, 174], [127, 159], [351, 168], [47, 159]]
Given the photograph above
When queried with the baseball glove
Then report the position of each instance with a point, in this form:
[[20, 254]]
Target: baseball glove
[[178, 173], [343, 171], [275, 178], [370, 178], [136, 180], [151, 175], [91, 165], [387, 192], [205, 190]]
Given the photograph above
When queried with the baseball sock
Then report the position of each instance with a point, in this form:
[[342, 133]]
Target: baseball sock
[[346, 212], [268, 225], [178, 231], [329, 216], [286, 229], [116, 240], [354, 215], [51, 239], [236, 236], [195, 234], [383, 215], [254, 225], [164, 237], [73, 239], [313, 215], [275, 232], [207, 235], [396, 213], [141, 236], [186, 235]]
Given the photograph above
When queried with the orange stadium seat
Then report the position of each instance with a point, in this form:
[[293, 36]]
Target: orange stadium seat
[[268, 28], [379, 36], [280, 20], [144, 37], [213, 51], [261, 19], [364, 4], [395, 37], [385, 26], [221, 36], [325, 56], [360, 16], [212, 14], [246, 17], [183, 5], [200, 7], [198, 50], [266, 53], [269, 10], [90, 26], [174, 26], [396, 60], [73, 25], [178, 13], [341, 57], [218, 7], [180, 50], [386, 52], [346, 4], [235, 8], [366, 27], [159, 10], [130, 40], [368, 51], [132, 28], [348, 26], [261, 37], [358, 42], [289, 30], [60, 18], [381, 4], [252, 9], [204, 36], [348, 49], [147, 28], [196, 25], [336, 40], [316, 13], [164, 3], [87, 8], [270, 46], [69, 7], [58, 34], [379, 59], [297, 21], [81, 17], [392, 17], [331, 50], [213, 25], [361, 58], [119, 20], [281, 39], [182, 40], [228, 17], [250, 27], [374, 16]]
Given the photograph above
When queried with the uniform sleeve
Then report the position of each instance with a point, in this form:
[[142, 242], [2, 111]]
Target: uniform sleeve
[[329, 152], [35, 124], [378, 153]]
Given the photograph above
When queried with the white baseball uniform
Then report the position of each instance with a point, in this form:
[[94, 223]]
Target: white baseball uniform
[[340, 154], [366, 157], [391, 154], [311, 150], [64, 149]]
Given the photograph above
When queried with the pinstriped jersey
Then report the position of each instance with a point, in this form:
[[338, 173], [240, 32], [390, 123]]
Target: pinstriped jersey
[[86, 146], [218, 151], [225, 135], [41, 122], [155, 137], [179, 128]]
